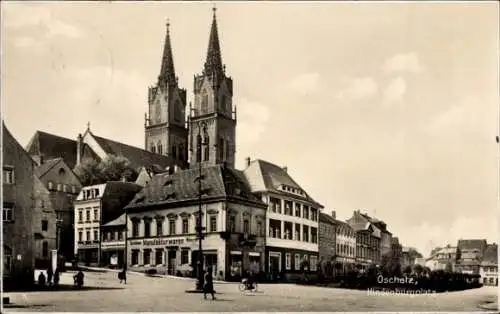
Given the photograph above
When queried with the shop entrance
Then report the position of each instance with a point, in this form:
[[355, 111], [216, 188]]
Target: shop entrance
[[274, 265], [211, 261], [172, 261]]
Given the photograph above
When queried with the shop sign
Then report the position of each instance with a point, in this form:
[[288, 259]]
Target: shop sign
[[159, 242]]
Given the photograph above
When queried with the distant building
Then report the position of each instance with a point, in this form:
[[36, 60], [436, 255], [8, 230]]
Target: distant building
[[291, 223], [408, 257], [95, 206], [489, 266], [62, 186], [44, 225], [396, 251], [367, 240], [162, 219], [345, 246], [113, 242], [18, 221], [443, 259], [469, 255], [327, 235]]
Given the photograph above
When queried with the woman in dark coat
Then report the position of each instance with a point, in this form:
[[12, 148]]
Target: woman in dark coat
[[208, 285]]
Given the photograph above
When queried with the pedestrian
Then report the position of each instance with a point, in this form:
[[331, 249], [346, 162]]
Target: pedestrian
[[56, 277], [41, 279], [49, 275], [208, 285], [122, 276]]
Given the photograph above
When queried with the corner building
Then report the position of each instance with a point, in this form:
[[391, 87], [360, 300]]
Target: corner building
[[162, 219]]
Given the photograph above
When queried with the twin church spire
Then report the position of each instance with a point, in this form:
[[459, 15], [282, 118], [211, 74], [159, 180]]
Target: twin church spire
[[168, 132]]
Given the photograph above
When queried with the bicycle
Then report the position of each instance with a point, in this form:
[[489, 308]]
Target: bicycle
[[244, 286]]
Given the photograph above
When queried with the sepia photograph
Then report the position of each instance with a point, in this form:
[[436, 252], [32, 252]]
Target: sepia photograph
[[250, 156]]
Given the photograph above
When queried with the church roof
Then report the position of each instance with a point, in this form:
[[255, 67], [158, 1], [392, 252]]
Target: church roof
[[472, 244], [218, 182], [167, 72], [213, 64], [46, 166], [52, 146], [265, 176]]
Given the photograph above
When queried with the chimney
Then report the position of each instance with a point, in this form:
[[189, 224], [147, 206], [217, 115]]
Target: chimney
[[79, 147], [247, 161], [334, 215], [285, 168]]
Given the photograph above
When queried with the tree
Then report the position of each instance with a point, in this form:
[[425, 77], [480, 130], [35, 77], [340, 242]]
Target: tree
[[448, 267], [407, 270], [112, 168], [418, 269]]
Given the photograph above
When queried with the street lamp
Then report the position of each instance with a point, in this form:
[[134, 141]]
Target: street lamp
[[199, 225]]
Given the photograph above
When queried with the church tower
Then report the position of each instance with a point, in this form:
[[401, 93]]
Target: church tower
[[165, 123], [212, 121]]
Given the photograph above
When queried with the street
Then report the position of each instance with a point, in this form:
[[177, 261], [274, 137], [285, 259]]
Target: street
[[104, 293]]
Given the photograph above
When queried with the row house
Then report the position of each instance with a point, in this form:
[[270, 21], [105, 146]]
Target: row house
[[443, 259], [367, 240], [396, 251], [489, 266], [327, 237], [469, 255], [45, 226], [97, 205], [291, 220], [113, 242], [162, 220], [345, 243]]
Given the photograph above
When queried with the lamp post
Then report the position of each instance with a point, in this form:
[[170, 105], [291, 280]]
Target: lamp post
[[199, 225]]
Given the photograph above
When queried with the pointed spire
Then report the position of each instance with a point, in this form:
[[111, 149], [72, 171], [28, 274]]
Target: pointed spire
[[213, 64], [167, 72]]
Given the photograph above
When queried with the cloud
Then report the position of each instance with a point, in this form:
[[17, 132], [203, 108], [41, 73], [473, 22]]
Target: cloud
[[305, 83], [395, 90], [408, 62], [23, 42], [359, 88], [252, 120]]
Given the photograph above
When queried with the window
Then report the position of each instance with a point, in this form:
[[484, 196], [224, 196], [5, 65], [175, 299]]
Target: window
[[8, 214], [314, 235], [59, 187], [181, 151], [206, 148], [305, 212], [297, 232], [112, 235], [246, 226], [297, 210], [288, 208], [135, 257], [45, 249], [135, 229], [120, 235], [147, 228], [147, 257], [297, 261], [96, 235], [232, 224], [96, 214], [213, 223], [198, 148], [228, 150], [221, 149], [80, 236], [73, 189], [305, 233], [88, 236], [45, 225], [65, 188], [160, 148], [185, 225], [159, 227], [8, 175], [174, 151], [153, 148], [314, 262], [204, 103], [171, 227], [259, 228], [184, 257], [314, 214], [288, 261], [159, 256], [50, 185], [88, 214]]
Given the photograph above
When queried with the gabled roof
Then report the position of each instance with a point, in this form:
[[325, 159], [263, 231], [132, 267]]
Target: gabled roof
[[218, 182], [265, 176], [362, 226], [138, 157], [53, 146], [490, 256], [472, 244], [120, 221], [46, 166], [6, 134], [327, 219]]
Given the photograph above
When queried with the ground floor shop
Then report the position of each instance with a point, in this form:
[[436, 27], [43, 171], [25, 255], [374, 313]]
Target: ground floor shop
[[344, 264], [289, 264], [113, 258], [88, 256]]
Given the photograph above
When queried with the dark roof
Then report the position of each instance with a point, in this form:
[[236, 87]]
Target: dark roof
[[138, 157], [345, 224], [472, 244], [490, 256], [53, 146], [120, 221], [115, 197], [7, 134], [46, 166], [218, 182], [361, 226], [327, 219]]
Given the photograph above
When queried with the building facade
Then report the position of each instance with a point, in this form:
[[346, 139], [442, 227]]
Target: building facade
[[469, 255], [18, 221], [62, 186], [113, 242], [327, 237], [489, 266], [291, 224], [367, 240], [162, 219], [95, 206], [345, 247], [443, 259], [44, 225], [396, 253]]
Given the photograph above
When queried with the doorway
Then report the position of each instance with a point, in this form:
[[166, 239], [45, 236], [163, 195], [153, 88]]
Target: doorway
[[274, 265], [211, 260], [172, 261]]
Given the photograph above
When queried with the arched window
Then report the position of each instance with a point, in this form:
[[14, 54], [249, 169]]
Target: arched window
[[62, 172], [206, 148], [181, 151], [153, 148], [204, 102], [160, 148], [228, 149], [221, 149], [198, 148], [174, 151]]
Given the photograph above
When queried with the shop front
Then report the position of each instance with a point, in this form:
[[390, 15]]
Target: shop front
[[244, 254]]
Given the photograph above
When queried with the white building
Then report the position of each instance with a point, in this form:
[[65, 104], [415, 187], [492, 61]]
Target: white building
[[489, 266], [292, 219]]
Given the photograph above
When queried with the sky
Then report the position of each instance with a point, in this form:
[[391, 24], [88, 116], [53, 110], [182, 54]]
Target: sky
[[390, 108]]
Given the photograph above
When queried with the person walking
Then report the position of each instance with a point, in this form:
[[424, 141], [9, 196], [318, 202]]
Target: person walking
[[49, 275], [122, 276], [56, 277], [41, 279], [208, 285]]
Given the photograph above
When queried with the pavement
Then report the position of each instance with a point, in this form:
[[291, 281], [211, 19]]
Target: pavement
[[102, 292]]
